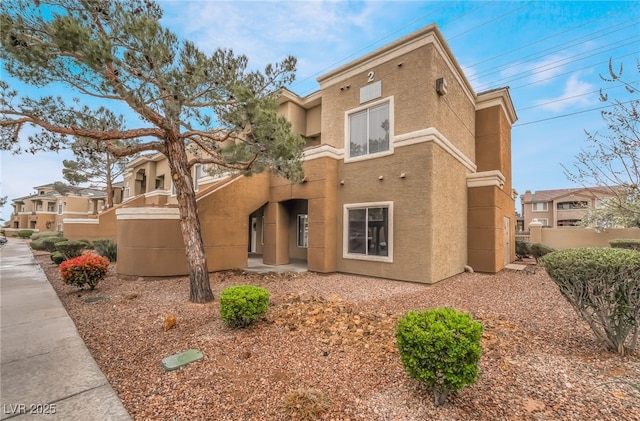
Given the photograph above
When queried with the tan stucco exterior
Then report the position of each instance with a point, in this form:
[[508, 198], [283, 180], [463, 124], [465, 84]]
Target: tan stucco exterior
[[439, 189]]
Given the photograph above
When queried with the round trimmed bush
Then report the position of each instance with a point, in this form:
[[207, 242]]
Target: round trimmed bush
[[441, 349], [57, 257], [241, 305], [71, 249], [38, 245], [50, 243]]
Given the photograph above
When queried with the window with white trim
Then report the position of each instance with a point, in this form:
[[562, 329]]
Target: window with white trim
[[303, 230], [60, 208], [198, 174], [540, 206], [368, 231], [127, 190], [369, 130]]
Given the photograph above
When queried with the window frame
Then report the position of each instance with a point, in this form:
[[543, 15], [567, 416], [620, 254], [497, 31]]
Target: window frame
[[546, 207], [347, 130], [389, 235]]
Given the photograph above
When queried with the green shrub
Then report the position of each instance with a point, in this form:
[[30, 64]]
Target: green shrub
[[603, 285], [87, 269], [106, 248], [43, 234], [626, 243], [70, 249], [38, 245], [88, 244], [25, 233], [50, 243], [522, 249], [241, 305], [57, 257], [538, 250], [441, 349]]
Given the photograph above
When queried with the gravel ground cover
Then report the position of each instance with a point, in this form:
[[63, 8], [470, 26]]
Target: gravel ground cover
[[326, 350]]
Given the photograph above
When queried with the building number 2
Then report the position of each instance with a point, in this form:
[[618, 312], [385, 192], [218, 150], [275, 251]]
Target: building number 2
[[370, 76]]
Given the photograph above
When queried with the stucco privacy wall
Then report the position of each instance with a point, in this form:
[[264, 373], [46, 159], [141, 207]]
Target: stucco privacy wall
[[150, 242], [102, 227], [571, 237]]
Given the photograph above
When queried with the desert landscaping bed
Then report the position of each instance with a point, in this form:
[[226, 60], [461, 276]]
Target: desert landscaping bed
[[326, 349]]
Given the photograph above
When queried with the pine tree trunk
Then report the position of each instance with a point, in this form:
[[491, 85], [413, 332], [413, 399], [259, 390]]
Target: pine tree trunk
[[200, 289]]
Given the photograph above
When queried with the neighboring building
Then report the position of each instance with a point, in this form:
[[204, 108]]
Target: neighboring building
[[46, 209], [562, 207], [408, 177]]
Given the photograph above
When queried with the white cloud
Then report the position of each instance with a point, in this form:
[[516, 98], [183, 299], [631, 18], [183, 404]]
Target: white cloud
[[575, 93]]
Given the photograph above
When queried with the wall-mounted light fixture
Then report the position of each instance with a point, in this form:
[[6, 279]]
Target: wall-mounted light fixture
[[381, 177], [441, 86], [402, 175], [342, 182]]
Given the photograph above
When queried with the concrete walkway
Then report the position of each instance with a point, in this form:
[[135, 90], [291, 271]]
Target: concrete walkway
[[46, 367]]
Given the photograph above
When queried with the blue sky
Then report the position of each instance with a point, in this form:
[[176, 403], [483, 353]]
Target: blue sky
[[550, 53]]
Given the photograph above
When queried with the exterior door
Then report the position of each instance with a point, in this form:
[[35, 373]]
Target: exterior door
[[254, 233], [507, 240]]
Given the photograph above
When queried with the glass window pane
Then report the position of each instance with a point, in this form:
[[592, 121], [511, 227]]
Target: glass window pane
[[303, 230], [358, 134], [357, 231], [379, 128], [377, 231]]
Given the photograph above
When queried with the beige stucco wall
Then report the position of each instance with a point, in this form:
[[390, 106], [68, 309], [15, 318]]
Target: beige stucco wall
[[429, 212], [104, 226], [572, 237]]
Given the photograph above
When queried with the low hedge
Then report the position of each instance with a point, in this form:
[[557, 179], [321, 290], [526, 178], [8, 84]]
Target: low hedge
[[626, 243], [43, 234], [25, 233]]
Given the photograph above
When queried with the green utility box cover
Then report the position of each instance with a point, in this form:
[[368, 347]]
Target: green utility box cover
[[176, 361]]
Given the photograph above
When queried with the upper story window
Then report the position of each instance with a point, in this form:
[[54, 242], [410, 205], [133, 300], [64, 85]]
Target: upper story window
[[369, 130], [51, 207], [540, 206], [60, 207], [127, 190], [582, 204]]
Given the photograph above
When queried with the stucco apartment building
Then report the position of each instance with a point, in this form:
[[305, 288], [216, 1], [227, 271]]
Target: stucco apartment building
[[561, 207], [407, 176], [47, 207]]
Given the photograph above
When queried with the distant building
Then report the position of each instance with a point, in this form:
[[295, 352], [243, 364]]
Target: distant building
[[47, 207], [561, 207]]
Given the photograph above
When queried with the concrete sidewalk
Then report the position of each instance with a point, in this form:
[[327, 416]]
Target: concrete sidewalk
[[46, 367]]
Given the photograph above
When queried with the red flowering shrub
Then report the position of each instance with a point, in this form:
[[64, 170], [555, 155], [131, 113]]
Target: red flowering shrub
[[86, 269]]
